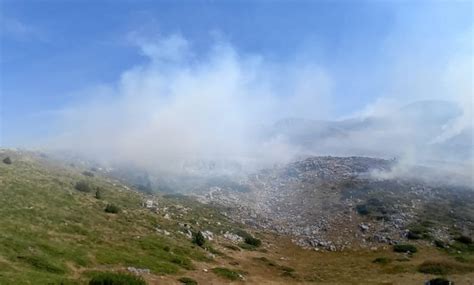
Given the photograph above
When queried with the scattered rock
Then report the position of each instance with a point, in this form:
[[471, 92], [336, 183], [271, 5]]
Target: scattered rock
[[364, 227], [138, 271]]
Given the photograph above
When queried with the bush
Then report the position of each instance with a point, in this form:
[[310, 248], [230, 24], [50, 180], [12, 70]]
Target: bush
[[432, 267], [187, 281], [413, 235], [83, 186], [232, 247], [42, 263], [439, 281], [199, 239], [443, 267], [112, 278], [405, 248], [111, 208], [440, 243], [7, 160], [253, 241], [362, 210], [464, 239], [98, 194], [88, 173], [226, 273], [382, 260], [247, 246]]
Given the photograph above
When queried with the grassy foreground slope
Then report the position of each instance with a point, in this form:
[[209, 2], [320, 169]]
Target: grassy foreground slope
[[51, 233]]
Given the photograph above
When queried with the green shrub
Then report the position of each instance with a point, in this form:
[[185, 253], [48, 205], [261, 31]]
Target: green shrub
[[439, 281], [88, 173], [83, 186], [253, 241], [98, 194], [232, 247], [382, 260], [7, 160], [431, 267], [464, 239], [42, 263], [112, 278], [247, 246], [199, 239], [362, 210], [111, 208], [226, 273], [413, 235], [444, 267], [187, 281], [405, 248], [265, 260], [440, 243]]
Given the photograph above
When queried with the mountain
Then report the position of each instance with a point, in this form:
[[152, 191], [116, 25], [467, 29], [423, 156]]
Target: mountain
[[412, 130], [335, 203], [65, 223]]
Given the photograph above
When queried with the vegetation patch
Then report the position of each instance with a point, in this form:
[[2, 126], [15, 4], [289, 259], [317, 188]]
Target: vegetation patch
[[287, 271], [443, 267], [382, 260], [405, 248], [98, 194], [439, 281], [253, 241], [265, 261], [88, 173], [231, 247], [464, 239], [113, 278], [111, 208], [42, 263], [187, 281], [198, 239], [227, 273], [83, 186]]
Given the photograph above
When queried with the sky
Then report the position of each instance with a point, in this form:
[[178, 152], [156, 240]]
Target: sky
[[95, 69]]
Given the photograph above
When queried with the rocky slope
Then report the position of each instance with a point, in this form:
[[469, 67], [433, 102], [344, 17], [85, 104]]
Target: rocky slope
[[339, 202]]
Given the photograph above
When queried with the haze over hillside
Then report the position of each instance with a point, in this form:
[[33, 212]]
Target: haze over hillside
[[223, 142], [185, 101]]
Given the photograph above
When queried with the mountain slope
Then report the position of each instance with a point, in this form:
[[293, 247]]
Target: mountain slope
[[51, 233]]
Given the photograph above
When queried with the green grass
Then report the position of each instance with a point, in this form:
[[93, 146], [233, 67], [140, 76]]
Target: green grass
[[227, 273], [444, 267], [112, 278], [187, 281], [265, 261], [49, 228], [382, 260], [405, 248]]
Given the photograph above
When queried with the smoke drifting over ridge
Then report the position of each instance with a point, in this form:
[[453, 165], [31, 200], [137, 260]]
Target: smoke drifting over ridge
[[179, 107], [176, 108]]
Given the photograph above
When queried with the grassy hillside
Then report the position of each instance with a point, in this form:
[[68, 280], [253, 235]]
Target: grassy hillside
[[52, 233]]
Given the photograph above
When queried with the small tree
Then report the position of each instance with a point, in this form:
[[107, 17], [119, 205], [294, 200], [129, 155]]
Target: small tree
[[199, 239], [98, 194]]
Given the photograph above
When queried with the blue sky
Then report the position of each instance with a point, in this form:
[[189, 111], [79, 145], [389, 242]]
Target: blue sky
[[53, 50]]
